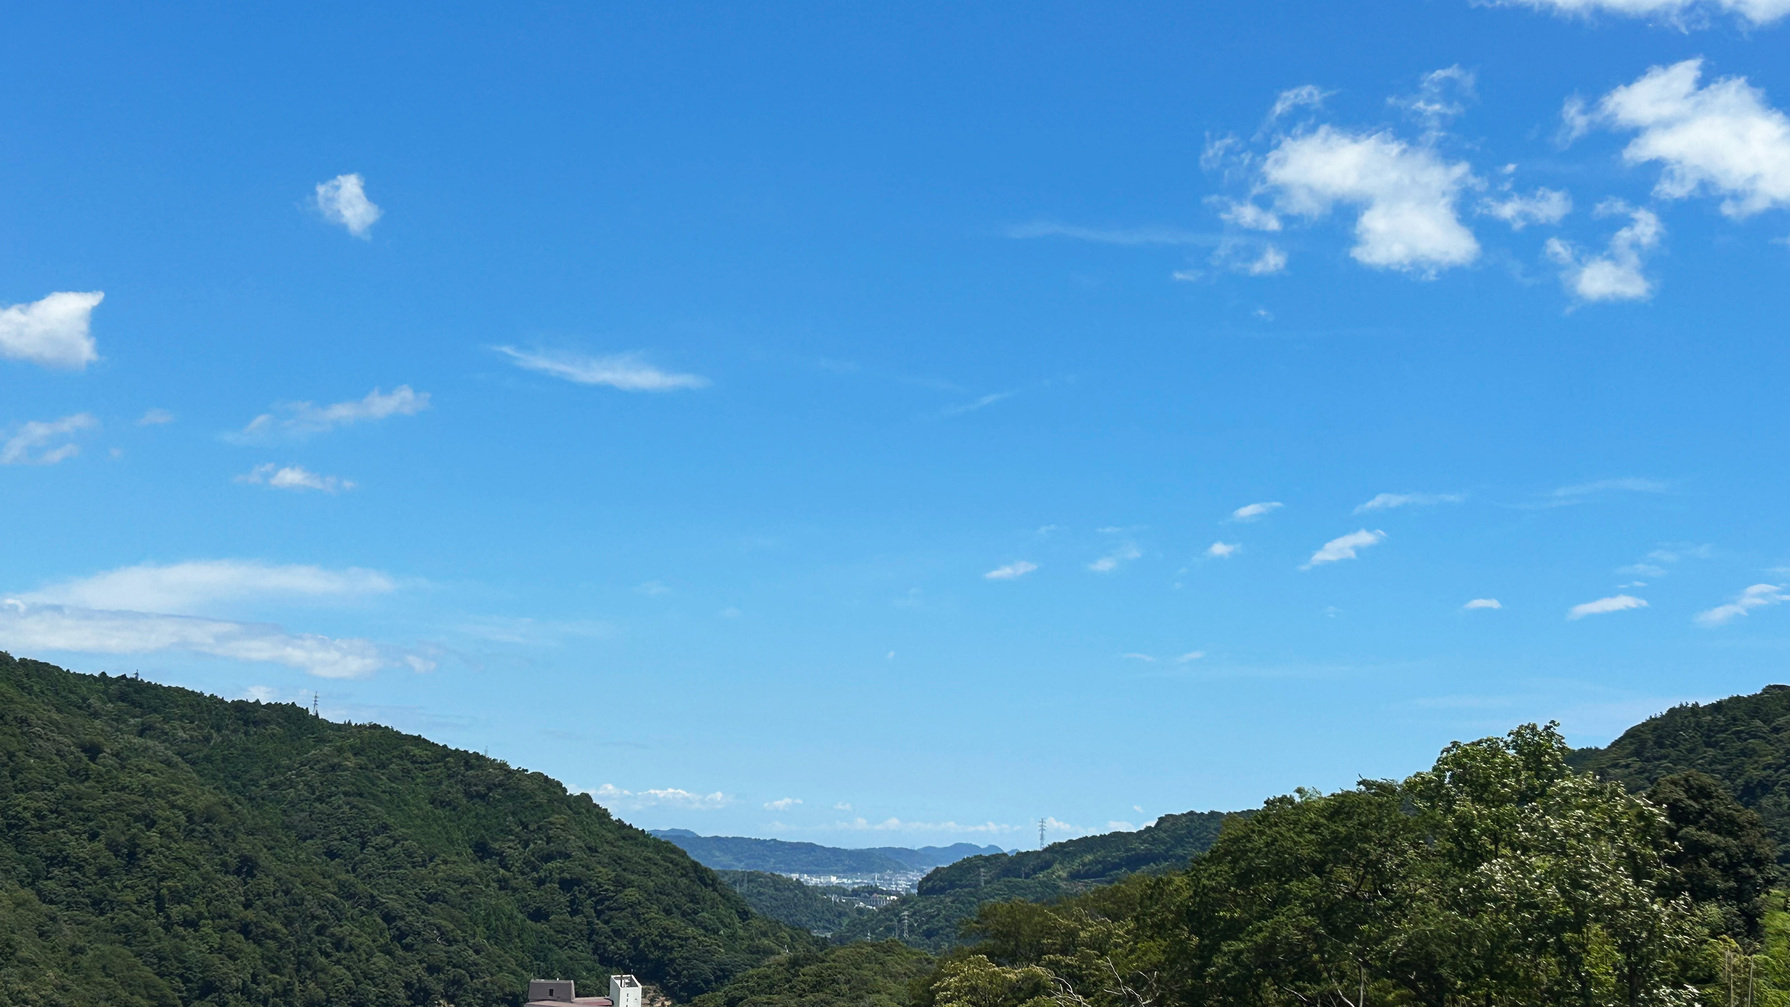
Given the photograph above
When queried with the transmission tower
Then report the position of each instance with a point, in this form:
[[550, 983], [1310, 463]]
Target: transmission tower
[[1041, 833]]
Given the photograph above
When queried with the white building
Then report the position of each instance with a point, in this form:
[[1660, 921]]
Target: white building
[[624, 991]]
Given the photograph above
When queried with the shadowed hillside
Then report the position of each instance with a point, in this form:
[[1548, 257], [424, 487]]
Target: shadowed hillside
[[162, 847]]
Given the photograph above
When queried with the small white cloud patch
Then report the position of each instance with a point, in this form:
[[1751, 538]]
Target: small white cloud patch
[[343, 200], [156, 418], [53, 332], [1615, 275], [1406, 195], [1345, 547], [782, 804], [1602, 606], [1223, 550], [1723, 138], [1124, 553], [294, 477], [301, 419], [1543, 206], [1392, 501], [1479, 603], [46, 442], [1251, 512], [611, 796], [1757, 596], [628, 372], [1681, 12], [1011, 571]]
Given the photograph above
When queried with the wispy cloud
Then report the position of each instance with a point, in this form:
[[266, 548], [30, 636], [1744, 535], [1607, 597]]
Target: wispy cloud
[[1757, 596], [782, 804], [615, 798], [1479, 603], [53, 332], [897, 825], [1190, 657], [343, 200], [1011, 571], [191, 586], [302, 419], [1683, 13], [1584, 492], [1150, 235], [294, 477], [1392, 501], [29, 627], [1344, 547], [1125, 552], [156, 418], [981, 403], [628, 372], [1293, 98], [1223, 550], [1602, 606], [1543, 206], [1254, 511], [1616, 274], [46, 442]]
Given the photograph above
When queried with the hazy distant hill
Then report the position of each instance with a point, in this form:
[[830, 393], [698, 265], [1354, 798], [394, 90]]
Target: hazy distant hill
[[1743, 741], [164, 848], [738, 853], [950, 894]]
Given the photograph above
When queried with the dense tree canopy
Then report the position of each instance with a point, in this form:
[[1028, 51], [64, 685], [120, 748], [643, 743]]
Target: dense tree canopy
[[161, 847]]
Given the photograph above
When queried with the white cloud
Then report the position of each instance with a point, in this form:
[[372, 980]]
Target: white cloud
[[1012, 571], [1579, 492], [1250, 512], [343, 200], [1543, 206], [981, 403], [1223, 550], [1407, 195], [1190, 657], [1679, 12], [294, 477], [301, 419], [1146, 658], [1152, 235], [1618, 603], [27, 627], [1303, 96], [1615, 275], [1124, 553], [1757, 596], [1391, 501], [52, 332], [1271, 261], [1248, 216], [626, 371], [1442, 95], [1723, 138], [782, 804], [156, 418], [615, 798], [46, 442], [653, 588], [1479, 603], [1345, 547], [190, 586]]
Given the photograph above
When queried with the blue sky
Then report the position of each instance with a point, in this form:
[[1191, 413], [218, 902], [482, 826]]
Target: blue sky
[[895, 426]]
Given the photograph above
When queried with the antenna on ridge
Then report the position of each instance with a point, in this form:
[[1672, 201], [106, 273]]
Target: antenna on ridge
[[1041, 833], [313, 704]]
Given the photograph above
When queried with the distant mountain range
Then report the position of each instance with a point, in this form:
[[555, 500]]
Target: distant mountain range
[[777, 856]]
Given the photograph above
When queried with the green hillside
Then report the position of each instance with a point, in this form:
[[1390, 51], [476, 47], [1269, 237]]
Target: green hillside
[[951, 895], [163, 847], [1743, 741], [790, 901]]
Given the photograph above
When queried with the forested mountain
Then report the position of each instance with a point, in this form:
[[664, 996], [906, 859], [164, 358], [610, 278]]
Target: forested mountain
[[739, 853], [163, 847], [1743, 741], [810, 907], [950, 895]]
